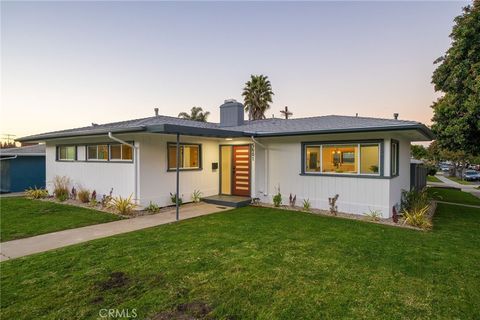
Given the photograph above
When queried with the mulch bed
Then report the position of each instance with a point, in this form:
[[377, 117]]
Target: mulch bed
[[351, 216]]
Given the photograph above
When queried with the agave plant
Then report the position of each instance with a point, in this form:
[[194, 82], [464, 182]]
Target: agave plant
[[122, 205]]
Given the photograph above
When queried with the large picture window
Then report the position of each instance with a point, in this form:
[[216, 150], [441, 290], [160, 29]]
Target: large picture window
[[343, 158], [66, 153], [190, 156]]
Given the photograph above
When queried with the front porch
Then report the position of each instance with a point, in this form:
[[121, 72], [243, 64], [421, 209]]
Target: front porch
[[228, 200]]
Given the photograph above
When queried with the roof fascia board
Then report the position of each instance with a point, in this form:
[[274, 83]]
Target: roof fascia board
[[194, 131], [421, 128]]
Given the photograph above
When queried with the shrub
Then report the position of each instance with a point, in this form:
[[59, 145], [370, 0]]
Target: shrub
[[414, 200], [196, 196], [36, 193], [431, 169], [106, 199], [277, 199], [306, 204], [333, 205], [292, 200], [60, 187], [173, 198], [373, 215], [83, 195], [152, 207], [418, 217], [122, 205]]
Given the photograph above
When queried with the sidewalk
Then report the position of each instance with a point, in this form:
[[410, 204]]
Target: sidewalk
[[450, 183], [24, 247]]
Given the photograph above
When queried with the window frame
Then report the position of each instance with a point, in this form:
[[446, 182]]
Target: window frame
[[182, 144], [358, 144], [394, 160], [109, 160], [66, 146], [121, 153], [97, 159]]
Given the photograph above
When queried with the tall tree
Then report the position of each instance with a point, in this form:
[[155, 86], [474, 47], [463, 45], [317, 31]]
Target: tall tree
[[418, 152], [456, 115], [257, 96], [196, 114]]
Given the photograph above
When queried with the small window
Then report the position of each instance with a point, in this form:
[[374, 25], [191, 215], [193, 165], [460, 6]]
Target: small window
[[120, 152], [394, 157], [66, 153], [190, 158], [97, 152], [369, 159], [312, 159]]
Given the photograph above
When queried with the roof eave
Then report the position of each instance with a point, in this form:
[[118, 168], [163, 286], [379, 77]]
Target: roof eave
[[46, 137], [194, 131], [424, 130]]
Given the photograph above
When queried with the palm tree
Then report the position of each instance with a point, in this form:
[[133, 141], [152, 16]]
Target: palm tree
[[196, 114], [257, 96]]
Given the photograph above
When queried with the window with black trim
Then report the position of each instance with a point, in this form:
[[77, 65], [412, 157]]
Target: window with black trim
[[66, 153], [98, 152], [394, 154], [362, 158], [190, 156], [121, 152]]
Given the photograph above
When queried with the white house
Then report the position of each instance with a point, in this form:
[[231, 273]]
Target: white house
[[366, 161]]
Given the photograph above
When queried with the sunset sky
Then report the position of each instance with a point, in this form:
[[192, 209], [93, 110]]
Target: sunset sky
[[68, 64]]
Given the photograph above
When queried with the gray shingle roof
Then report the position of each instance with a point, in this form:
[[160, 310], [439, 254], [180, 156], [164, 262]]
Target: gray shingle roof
[[267, 127], [35, 150]]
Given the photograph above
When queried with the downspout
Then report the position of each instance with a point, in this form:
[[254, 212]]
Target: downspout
[[135, 168], [10, 158], [265, 191], [177, 200]]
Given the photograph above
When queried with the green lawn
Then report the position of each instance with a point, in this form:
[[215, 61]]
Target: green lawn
[[21, 218], [433, 179], [453, 195], [458, 180], [259, 263]]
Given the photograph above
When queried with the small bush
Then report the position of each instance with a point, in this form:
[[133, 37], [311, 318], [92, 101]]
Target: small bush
[[122, 205], [196, 196], [173, 198], [83, 195], [277, 198], [373, 215], [292, 200], [418, 217], [431, 170], [152, 207], [36, 193], [306, 204], [106, 199], [333, 205], [414, 200], [60, 187]]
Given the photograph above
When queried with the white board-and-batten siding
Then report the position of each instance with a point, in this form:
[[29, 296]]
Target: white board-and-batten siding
[[280, 166]]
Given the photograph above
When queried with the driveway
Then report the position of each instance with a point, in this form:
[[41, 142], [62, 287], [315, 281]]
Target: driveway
[[24, 247]]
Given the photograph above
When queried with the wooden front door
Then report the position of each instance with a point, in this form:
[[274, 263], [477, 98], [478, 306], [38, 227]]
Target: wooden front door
[[241, 171]]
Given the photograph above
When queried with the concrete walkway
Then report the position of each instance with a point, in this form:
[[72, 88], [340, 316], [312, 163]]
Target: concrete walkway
[[470, 188], [459, 204], [24, 247]]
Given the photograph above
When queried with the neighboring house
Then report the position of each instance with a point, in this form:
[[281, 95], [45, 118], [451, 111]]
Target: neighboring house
[[22, 168], [366, 161]]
